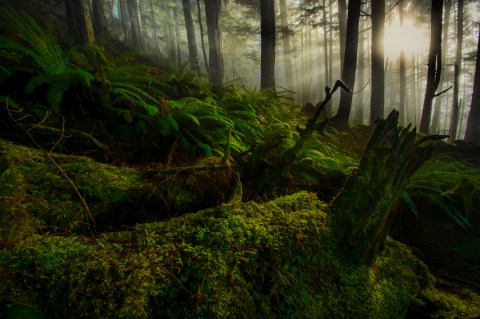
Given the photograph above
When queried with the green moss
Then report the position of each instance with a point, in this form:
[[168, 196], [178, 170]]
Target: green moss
[[269, 260], [35, 196]]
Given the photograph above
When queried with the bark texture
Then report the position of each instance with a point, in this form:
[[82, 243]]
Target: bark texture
[[362, 213], [267, 14]]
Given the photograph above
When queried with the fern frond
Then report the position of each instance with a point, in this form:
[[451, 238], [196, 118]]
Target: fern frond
[[55, 94]]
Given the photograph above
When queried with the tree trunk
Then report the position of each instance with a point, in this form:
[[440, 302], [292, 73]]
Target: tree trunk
[[361, 77], [472, 132], [437, 108], [434, 64], [135, 25], [155, 31], [342, 25], [287, 51], [79, 21], [325, 42], [457, 71], [192, 41], [350, 60], [178, 35], [377, 101], [202, 34], [403, 74], [216, 68], [361, 215], [267, 14], [98, 18]]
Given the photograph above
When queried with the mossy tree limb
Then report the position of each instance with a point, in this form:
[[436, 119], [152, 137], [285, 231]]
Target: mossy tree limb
[[362, 213]]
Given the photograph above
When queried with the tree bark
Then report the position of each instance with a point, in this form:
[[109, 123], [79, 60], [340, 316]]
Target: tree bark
[[403, 74], [350, 60], [98, 18], [267, 15], [434, 64], [377, 100], [472, 132], [361, 215], [216, 67], [287, 51], [437, 108], [135, 25], [79, 21], [191, 38], [361, 77], [457, 72], [342, 25]]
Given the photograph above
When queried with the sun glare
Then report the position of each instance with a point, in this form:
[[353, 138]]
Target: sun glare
[[407, 37]]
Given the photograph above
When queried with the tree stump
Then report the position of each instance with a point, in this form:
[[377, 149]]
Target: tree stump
[[361, 215]]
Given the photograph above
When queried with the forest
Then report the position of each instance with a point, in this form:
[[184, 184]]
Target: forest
[[239, 159]]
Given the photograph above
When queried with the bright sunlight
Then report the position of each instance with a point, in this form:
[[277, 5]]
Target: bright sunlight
[[407, 37]]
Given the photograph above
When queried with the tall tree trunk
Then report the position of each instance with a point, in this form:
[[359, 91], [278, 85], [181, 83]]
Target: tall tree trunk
[[202, 34], [350, 60], [472, 132], [192, 41], [215, 55], [79, 21], [155, 31], [98, 18], [267, 15], [287, 51], [178, 35], [135, 25], [361, 76], [330, 47], [457, 72], [437, 108], [342, 26], [325, 42], [434, 64], [377, 101], [403, 74]]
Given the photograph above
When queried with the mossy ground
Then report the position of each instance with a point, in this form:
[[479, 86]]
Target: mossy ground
[[232, 261], [237, 260]]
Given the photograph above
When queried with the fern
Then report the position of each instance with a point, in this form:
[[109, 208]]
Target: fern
[[449, 184]]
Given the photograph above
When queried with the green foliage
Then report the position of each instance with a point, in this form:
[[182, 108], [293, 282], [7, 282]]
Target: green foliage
[[43, 57], [245, 260], [451, 185]]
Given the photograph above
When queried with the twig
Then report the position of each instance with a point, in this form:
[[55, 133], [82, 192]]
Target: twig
[[443, 92], [61, 136]]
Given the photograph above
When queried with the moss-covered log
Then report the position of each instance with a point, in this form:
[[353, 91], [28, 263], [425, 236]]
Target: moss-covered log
[[362, 213], [241, 260], [35, 196]]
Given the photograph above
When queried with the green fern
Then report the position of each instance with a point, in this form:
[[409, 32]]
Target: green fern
[[450, 184]]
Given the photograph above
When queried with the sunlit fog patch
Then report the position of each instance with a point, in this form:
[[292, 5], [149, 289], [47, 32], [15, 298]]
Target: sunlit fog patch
[[406, 37]]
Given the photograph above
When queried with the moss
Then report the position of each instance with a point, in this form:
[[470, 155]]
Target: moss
[[239, 260], [446, 300], [35, 196]]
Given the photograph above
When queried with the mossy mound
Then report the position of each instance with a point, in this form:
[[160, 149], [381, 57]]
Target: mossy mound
[[239, 260], [35, 196]]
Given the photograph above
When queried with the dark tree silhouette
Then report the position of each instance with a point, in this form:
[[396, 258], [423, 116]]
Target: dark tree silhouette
[[215, 57], [98, 18], [377, 100], [192, 42], [79, 21], [457, 71], [434, 64], [267, 14], [472, 133], [350, 60]]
